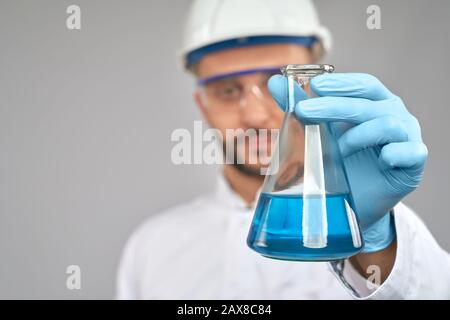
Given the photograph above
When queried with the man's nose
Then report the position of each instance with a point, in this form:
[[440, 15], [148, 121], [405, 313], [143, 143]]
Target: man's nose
[[255, 110]]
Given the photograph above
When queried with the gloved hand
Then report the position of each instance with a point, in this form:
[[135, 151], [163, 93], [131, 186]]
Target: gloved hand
[[379, 139]]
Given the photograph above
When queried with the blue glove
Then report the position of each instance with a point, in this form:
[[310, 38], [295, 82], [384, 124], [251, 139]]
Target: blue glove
[[379, 139]]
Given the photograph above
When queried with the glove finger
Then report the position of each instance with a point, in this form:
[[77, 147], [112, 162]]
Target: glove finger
[[278, 88], [358, 85], [407, 155], [331, 109], [378, 131]]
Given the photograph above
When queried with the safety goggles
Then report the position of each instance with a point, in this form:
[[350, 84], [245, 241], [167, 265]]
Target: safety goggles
[[228, 92]]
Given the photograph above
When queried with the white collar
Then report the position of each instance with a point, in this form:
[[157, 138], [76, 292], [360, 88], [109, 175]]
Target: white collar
[[226, 195]]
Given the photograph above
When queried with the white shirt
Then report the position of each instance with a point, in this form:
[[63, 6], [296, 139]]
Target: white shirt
[[198, 250]]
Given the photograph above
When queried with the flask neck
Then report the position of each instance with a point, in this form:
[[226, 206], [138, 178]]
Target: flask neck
[[302, 74]]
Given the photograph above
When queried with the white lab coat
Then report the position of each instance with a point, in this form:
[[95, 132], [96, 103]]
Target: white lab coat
[[198, 250]]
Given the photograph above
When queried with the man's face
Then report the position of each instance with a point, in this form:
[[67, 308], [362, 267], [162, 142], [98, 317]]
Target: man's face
[[243, 102]]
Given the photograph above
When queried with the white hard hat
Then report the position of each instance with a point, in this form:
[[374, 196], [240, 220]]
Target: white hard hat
[[216, 21]]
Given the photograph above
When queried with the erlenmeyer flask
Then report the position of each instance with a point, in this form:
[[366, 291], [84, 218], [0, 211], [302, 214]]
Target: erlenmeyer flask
[[304, 211]]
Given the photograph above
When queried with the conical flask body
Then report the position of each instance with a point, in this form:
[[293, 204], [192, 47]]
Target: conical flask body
[[305, 209]]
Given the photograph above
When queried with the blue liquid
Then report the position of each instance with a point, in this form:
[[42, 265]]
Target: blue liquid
[[276, 231]]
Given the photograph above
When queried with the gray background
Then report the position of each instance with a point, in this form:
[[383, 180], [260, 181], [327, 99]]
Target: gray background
[[86, 118]]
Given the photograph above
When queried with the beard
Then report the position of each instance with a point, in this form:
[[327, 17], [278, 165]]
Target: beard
[[241, 150], [248, 170]]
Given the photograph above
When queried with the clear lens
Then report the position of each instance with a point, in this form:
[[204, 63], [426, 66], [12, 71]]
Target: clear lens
[[229, 94]]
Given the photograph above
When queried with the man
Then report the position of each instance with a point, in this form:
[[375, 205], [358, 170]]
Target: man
[[198, 250]]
